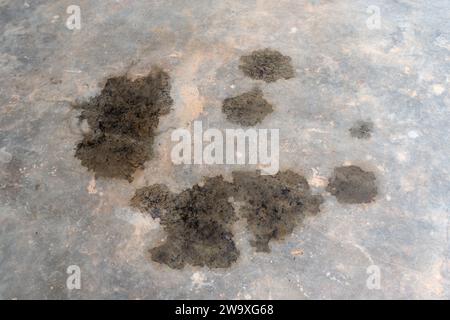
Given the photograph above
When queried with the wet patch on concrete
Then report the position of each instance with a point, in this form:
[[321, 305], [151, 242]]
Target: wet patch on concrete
[[361, 129], [274, 205], [247, 109], [199, 220], [351, 184], [268, 65], [198, 223], [123, 119]]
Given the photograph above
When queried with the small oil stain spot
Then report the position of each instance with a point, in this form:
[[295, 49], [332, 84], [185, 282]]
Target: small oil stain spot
[[247, 109], [268, 65], [123, 119], [351, 184], [361, 129]]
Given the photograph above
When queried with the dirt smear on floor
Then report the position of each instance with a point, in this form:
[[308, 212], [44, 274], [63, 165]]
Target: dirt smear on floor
[[361, 129], [351, 184], [199, 220], [247, 109], [122, 121], [268, 65]]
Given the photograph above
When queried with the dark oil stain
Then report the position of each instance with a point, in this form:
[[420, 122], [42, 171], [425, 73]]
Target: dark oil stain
[[268, 65], [247, 109], [274, 205], [123, 119], [198, 223], [351, 184], [361, 129], [199, 220]]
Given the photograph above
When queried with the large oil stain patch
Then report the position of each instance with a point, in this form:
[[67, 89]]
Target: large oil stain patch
[[268, 65], [198, 221], [274, 205], [122, 120], [351, 184], [247, 109]]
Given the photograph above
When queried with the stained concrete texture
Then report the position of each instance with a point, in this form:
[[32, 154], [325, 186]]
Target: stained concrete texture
[[349, 66]]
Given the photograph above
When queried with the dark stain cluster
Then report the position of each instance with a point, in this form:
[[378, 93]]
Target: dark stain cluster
[[250, 108], [198, 221], [122, 120]]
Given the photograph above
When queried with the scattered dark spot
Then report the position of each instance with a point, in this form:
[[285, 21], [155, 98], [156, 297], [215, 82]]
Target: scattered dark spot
[[247, 109], [199, 220], [351, 184], [361, 129], [274, 205], [123, 119], [268, 65]]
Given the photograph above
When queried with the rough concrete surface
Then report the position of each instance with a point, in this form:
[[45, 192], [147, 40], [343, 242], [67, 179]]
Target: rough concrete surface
[[54, 213]]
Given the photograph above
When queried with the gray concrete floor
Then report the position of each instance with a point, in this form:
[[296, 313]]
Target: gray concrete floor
[[54, 214]]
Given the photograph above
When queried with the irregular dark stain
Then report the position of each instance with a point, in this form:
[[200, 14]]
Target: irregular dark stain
[[199, 220], [198, 223], [268, 65], [361, 129], [274, 205], [247, 109], [351, 184], [123, 119]]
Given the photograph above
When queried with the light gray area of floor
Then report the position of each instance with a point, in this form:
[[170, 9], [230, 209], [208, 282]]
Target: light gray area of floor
[[54, 214]]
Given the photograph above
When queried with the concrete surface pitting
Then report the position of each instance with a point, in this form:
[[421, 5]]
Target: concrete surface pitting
[[54, 213]]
